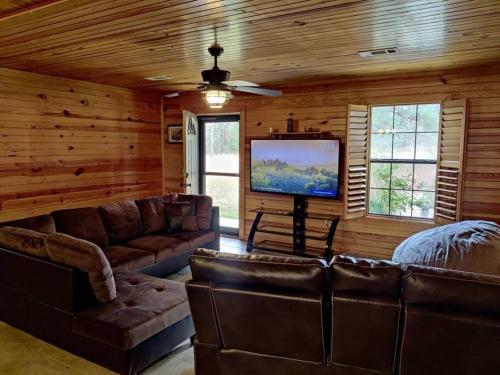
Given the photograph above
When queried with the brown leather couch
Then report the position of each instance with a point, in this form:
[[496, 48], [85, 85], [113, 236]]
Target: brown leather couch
[[50, 282], [275, 315]]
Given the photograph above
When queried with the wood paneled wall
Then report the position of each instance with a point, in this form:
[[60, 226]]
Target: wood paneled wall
[[324, 107], [67, 143]]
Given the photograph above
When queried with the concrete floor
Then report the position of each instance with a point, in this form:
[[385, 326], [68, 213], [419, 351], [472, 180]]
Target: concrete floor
[[23, 354]]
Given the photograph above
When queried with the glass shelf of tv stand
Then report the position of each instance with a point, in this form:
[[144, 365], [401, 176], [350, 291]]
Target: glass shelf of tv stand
[[309, 215], [284, 230]]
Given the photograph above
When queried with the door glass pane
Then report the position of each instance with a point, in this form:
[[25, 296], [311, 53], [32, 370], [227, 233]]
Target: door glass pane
[[222, 147], [224, 191]]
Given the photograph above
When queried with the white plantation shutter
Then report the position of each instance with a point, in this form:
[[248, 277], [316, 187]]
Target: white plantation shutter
[[356, 162], [450, 165]]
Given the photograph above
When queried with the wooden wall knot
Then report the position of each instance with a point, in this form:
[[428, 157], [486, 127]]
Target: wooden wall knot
[[84, 102], [42, 96], [79, 171]]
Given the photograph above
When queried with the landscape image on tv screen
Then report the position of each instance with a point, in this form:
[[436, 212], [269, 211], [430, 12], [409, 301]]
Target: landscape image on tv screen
[[301, 167]]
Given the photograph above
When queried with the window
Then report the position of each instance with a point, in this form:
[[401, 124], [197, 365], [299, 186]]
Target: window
[[403, 156]]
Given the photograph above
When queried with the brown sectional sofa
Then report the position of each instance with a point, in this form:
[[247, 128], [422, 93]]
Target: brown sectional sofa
[[82, 279], [273, 315]]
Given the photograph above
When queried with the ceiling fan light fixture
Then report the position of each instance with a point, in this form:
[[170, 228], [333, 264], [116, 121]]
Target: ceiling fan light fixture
[[216, 98]]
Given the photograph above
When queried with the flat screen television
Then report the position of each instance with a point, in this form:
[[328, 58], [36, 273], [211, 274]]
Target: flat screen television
[[307, 167]]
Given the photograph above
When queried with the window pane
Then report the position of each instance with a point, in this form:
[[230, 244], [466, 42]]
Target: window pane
[[425, 177], [380, 175], [428, 117], [222, 147], [381, 119], [400, 203], [224, 191], [405, 118], [381, 146], [427, 144], [423, 204], [379, 202], [402, 176], [404, 146]]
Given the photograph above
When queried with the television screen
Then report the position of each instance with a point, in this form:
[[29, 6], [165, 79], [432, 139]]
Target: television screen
[[295, 166]]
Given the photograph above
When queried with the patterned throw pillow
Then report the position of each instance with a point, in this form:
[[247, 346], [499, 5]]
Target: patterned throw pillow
[[180, 217]]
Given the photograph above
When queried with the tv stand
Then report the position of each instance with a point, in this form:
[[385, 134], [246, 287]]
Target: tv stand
[[297, 231]]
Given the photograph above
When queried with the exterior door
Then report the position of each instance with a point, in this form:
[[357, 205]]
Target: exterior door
[[220, 166], [191, 153]]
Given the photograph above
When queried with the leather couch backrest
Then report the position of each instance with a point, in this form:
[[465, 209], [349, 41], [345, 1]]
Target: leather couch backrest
[[273, 306], [364, 316], [451, 323], [261, 271]]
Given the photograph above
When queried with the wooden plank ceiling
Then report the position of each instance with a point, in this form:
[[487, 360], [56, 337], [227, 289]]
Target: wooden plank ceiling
[[120, 42]]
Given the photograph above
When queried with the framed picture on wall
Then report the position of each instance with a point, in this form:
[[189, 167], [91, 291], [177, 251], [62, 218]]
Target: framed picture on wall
[[174, 133]]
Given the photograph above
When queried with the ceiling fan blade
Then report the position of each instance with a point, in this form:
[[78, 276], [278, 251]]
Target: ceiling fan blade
[[258, 91], [181, 83], [240, 83]]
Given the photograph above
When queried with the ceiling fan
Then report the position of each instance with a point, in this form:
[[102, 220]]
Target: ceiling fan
[[216, 86]]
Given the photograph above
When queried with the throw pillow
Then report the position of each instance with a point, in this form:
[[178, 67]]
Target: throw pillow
[[180, 216]]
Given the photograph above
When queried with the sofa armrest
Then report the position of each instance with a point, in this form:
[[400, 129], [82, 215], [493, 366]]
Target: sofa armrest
[[215, 226]]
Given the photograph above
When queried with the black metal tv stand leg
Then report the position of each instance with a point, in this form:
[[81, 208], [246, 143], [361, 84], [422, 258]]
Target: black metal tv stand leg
[[299, 223], [329, 240], [253, 230]]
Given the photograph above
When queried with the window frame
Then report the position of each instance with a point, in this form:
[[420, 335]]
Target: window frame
[[404, 161]]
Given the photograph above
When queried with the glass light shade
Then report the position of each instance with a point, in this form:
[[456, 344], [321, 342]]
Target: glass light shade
[[216, 98]]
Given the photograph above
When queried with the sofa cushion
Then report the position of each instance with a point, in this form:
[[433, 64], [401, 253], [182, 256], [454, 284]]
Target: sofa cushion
[[122, 220], [196, 239], [23, 240], [161, 246], [152, 212], [203, 209], [180, 216], [42, 224], [84, 223], [127, 258], [145, 306], [87, 257]]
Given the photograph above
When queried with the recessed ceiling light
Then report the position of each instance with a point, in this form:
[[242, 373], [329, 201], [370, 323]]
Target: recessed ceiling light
[[158, 78]]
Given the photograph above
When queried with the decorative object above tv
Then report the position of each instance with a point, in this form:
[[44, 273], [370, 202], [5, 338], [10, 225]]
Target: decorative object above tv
[[308, 167]]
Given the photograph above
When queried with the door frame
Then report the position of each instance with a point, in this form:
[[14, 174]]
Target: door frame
[[202, 119]]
